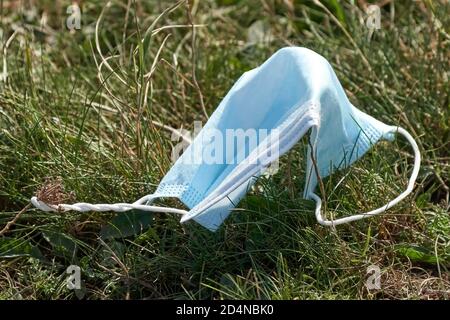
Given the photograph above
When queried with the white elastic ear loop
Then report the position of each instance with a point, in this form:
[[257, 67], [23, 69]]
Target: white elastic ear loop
[[390, 204], [116, 207]]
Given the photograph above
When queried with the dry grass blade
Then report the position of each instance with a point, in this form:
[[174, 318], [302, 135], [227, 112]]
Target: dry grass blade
[[52, 192]]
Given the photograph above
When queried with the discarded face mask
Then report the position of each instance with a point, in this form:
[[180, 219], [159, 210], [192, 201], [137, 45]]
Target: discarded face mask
[[294, 91]]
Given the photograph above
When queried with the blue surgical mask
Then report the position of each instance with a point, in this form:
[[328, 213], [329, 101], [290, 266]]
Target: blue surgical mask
[[293, 92]]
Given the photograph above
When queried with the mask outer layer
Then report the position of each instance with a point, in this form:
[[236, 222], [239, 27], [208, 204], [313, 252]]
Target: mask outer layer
[[294, 86]]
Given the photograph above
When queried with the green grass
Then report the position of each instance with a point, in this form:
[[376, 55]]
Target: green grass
[[65, 114]]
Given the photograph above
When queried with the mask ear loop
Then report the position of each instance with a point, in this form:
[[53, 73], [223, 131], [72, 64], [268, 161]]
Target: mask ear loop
[[404, 194], [116, 207]]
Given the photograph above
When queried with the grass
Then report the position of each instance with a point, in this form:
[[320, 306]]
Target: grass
[[87, 106]]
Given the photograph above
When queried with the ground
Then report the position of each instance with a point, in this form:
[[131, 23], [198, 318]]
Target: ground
[[84, 116]]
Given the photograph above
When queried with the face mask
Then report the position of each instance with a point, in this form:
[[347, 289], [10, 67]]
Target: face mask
[[271, 107]]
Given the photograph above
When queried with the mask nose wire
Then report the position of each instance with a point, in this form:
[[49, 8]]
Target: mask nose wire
[[404, 194], [116, 207]]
